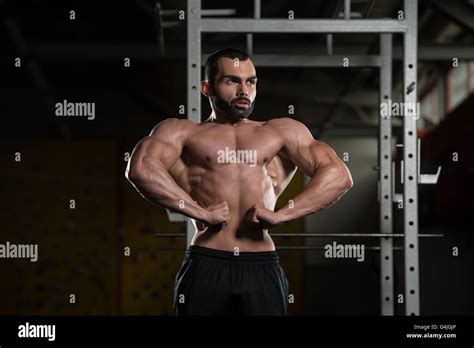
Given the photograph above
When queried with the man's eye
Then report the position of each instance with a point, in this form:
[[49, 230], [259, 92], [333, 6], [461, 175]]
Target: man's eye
[[252, 82], [231, 81]]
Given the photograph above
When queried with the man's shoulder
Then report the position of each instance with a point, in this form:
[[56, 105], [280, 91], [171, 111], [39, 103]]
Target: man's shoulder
[[176, 122], [283, 123], [173, 125]]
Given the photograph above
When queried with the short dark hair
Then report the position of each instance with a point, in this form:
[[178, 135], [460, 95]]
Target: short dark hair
[[212, 63]]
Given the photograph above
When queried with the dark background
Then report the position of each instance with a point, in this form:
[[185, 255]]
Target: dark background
[[81, 250]]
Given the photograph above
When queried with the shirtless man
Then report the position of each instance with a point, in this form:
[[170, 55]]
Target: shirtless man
[[226, 174]]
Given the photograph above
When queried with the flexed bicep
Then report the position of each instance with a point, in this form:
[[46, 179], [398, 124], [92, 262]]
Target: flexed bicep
[[150, 163], [160, 150], [329, 176], [307, 153], [313, 157]]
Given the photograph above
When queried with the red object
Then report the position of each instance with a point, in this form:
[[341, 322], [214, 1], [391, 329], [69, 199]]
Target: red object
[[451, 145]]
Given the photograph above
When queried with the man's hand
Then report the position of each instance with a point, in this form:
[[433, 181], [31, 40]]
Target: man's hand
[[266, 218], [218, 214]]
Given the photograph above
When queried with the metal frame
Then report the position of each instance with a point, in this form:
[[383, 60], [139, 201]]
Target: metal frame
[[256, 14], [326, 235], [297, 60], [385, 181], [408, 26], [171, 248], [410, 155], [244, 25]]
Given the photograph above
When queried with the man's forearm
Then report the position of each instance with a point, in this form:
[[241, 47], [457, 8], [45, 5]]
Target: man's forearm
[[160, 188], [323, 190]]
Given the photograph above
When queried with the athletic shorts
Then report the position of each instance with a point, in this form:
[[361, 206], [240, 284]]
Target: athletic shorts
[[219, 282]]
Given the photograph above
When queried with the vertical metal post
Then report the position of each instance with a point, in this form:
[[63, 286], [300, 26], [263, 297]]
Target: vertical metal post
[[385, 178], [256, 14], [159, 28], [194, 76], [441, 94], [410, 187], [347, 9], [329, 44]]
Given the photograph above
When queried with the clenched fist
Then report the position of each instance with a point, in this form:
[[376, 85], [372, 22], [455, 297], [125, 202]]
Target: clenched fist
[[218, 214], [263, 217]]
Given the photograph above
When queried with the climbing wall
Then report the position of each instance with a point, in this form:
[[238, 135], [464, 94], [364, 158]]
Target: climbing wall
[[62, 197], [292, 261], [149, 271]]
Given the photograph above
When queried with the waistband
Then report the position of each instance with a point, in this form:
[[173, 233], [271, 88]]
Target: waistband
[[255, 257]]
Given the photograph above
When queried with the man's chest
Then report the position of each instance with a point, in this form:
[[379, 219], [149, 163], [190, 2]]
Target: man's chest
[[234, 145]]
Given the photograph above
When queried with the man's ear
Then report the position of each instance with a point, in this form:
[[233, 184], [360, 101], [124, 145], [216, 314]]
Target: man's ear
[[206, 89]]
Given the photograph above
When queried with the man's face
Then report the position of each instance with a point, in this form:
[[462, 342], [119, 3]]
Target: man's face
[[235, 87]]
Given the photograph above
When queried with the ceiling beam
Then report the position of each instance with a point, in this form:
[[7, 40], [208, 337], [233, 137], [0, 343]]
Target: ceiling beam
[[457, 11], [428, 52]]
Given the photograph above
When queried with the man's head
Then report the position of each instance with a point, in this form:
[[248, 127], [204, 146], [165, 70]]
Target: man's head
[[230, 83]]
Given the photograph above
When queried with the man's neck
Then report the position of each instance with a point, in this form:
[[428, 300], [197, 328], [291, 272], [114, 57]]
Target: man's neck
[[222, 118]]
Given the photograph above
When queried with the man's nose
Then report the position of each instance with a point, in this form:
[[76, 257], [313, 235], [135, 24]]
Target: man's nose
[[243, 90]]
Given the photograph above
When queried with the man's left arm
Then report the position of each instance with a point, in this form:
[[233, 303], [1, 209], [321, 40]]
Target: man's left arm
[[330, 178]]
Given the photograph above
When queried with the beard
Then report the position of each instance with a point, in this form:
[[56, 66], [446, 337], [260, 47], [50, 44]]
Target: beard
[[230, 109]]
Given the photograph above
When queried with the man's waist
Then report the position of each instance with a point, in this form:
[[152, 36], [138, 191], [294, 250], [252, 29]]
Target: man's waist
[[255, 257]]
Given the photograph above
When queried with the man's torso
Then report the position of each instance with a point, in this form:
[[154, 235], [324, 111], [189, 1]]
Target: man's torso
[[243, 165]]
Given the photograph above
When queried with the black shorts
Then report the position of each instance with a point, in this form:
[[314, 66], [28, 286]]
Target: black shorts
[[218, 282]]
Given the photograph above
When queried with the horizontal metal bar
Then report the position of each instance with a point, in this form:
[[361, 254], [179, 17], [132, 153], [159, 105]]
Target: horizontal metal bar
[[363, 235], [206, 12], [216, 12], [439, 52], [302, 26], [171, 24], [183, 248], [323, 248], [324, 235], [297, 60], [170, 234], [170, 248]]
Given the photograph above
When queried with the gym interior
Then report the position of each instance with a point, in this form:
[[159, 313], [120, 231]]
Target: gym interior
[[335, 66]]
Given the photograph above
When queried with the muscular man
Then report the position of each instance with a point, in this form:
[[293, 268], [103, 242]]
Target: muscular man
[[226, 174]]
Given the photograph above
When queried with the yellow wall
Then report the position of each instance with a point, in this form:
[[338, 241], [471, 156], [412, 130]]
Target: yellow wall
[[81, 250]]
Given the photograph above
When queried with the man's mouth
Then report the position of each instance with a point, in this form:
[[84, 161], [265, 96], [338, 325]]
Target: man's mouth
[[241, 103]]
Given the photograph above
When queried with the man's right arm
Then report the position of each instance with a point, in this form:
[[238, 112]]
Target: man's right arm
[[149, 165]]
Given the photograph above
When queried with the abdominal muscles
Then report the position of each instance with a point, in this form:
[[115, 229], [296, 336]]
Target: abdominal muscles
[[241, 186]]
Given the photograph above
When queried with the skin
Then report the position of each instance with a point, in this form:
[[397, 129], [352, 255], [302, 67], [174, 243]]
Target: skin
[[232, 203]]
